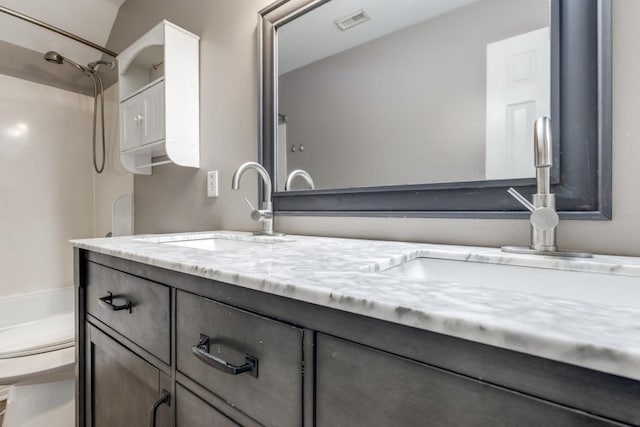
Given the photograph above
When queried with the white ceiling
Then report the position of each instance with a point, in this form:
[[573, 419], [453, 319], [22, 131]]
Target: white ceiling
[[315, 35], [89, 19]]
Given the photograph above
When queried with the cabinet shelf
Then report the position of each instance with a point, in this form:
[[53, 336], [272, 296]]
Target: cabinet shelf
[[142, 89], [155, 149], [162, 162], [159, 100], [142, 158]]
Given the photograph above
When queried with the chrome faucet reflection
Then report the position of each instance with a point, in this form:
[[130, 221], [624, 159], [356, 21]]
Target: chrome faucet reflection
[[264, 215], [544, 218], [302, 173]]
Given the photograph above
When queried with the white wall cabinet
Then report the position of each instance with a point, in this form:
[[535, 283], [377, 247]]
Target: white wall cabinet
[[142, 118], [159, 100]]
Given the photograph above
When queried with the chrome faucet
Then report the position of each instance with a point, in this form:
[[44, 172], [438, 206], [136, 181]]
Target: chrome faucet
[[544, 219], [299, 172], [264, 215]]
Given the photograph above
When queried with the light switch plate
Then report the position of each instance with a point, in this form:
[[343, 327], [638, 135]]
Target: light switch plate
[[212, 184]]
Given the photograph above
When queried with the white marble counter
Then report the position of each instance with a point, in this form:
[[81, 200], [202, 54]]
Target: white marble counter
[[345, 274]]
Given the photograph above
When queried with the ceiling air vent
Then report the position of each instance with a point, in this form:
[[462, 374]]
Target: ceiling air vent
[[352, 20]]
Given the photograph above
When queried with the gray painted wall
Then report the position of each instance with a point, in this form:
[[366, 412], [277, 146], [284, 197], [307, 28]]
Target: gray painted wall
[[406, 108], [174, 199]]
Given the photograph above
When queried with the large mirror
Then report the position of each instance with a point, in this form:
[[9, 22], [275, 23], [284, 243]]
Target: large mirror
[[426, 107]]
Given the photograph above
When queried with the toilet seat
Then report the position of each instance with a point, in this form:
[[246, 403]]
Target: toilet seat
[[44, 349], [43, 367], [48, 334]]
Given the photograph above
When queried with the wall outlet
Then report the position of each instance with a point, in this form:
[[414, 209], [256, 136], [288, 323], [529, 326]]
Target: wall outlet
[[212, 184]]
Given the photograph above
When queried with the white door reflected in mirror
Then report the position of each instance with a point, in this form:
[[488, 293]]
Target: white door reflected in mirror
[[518, 81]]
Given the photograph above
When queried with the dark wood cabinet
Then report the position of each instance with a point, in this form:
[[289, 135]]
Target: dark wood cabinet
[[360, 386], [192, 411], [272, 394], [230, 356], [122, 387], [132, 306]]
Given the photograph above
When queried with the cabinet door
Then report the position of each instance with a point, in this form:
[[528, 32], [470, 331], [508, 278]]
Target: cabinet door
[[130, 123], [153, 114], [191, 411], [361, 386], [121, 387]]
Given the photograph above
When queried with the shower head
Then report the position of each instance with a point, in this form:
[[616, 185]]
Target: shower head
[[52, 56], [56, 58]]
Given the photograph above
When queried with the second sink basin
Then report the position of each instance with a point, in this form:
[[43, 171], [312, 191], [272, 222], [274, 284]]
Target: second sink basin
[[595, 288]]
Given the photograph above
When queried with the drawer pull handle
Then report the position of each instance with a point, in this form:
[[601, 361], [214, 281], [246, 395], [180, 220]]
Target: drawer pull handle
[[108, 302], [165, 398], [201, 351]]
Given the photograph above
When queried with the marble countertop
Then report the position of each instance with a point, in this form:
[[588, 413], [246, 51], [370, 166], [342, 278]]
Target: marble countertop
[[346, 274]]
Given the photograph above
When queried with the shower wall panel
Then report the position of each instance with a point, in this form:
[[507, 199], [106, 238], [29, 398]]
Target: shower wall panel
[[46, 183]]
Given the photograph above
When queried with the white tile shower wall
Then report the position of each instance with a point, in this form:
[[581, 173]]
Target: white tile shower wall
[[46, 185]]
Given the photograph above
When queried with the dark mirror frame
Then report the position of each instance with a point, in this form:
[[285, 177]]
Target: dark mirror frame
[[581, 124]]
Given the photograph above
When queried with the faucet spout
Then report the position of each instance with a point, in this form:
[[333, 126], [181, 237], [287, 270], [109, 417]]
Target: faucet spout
[[264, 215], [235, 182], [543, 154]]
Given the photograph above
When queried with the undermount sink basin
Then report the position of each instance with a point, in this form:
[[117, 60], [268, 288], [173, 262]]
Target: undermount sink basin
[[596, 288], [216, 241], [216, 244]]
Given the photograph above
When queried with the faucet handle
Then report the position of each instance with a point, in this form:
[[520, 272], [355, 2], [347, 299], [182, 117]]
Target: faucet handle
[[250, 205], [519, 197], [542, 218], [257, 214]]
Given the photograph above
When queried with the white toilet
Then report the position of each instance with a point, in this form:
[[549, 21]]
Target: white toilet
[[37, 364]]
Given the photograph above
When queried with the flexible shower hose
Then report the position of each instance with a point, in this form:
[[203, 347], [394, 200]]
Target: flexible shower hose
[[98, 89]]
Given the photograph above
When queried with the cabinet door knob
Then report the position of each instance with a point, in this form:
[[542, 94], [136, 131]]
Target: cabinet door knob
[[201, 351]]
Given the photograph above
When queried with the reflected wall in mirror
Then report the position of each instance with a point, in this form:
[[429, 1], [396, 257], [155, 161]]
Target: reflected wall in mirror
[[432, 115], [412, 92]]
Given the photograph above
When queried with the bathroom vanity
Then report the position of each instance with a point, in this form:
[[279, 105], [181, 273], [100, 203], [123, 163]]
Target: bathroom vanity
[[226, 328]]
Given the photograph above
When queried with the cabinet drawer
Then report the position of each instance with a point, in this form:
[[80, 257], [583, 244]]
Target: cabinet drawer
[[146, 323], [360, 386], [191, 411], [272, 394]]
